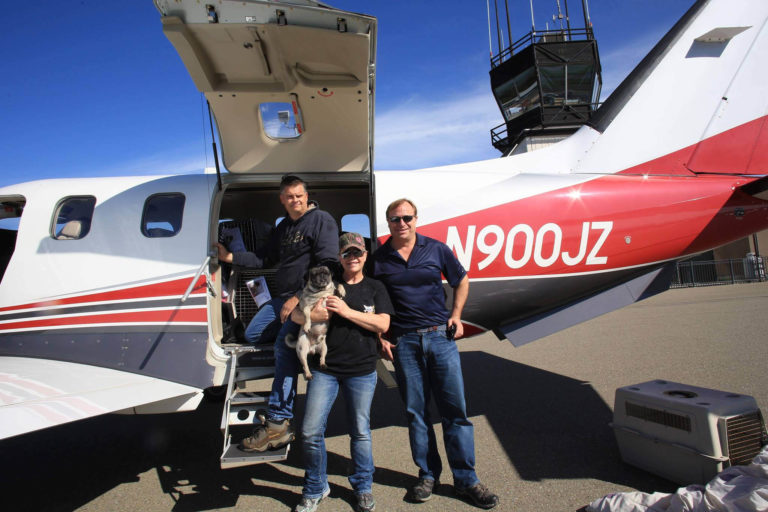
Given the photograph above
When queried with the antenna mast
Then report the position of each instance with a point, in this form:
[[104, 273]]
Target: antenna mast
[[533, 23], [490, 41], [587, 21], [559, 15]]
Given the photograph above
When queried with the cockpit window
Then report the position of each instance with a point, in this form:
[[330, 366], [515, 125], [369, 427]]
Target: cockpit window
[[72, 220], [162, 215], [281, 120], [11, 209]]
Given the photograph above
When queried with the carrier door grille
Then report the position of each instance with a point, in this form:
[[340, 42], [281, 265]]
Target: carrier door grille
[[746, 436]]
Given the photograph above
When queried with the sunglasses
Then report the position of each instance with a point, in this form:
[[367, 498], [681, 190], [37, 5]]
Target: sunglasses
[[405, 218], [353, 252]]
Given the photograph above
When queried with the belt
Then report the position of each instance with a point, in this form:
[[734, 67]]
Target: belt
[[430, 329], [396, 333]]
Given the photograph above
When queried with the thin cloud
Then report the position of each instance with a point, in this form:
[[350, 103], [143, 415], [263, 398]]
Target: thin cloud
[[424, 133], [620, 61], [177, 162], [417, 133]]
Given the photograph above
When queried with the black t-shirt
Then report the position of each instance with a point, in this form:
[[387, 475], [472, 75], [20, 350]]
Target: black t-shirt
[[352, 350]]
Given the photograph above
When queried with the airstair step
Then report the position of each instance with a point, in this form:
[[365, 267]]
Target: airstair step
[[243, 415], [266, 358], [248, 398], [235, 457], [243, 408]]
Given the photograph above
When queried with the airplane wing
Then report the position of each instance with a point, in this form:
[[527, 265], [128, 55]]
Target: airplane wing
[[40, 393]]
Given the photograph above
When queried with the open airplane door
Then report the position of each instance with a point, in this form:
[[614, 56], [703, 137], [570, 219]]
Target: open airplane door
[[290, 86]]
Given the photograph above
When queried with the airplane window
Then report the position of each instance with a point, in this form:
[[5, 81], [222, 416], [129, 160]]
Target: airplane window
[[357, 223], [72, 220], [10, 215], [162, 215], [281, 120]]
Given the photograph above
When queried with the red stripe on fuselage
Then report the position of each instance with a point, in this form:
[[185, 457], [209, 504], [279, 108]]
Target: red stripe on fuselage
[[472, 330], [133, 317], [163, 289], [611, 222]]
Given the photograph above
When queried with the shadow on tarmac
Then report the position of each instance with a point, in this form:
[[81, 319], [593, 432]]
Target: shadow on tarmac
[[550, 426]]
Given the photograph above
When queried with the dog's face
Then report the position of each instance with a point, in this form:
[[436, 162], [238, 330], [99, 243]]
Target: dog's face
[[319, 278]]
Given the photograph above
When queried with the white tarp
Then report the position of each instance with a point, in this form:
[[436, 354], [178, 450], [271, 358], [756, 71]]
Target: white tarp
[[736, 489]]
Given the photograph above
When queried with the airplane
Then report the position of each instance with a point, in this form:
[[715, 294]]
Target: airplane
[[111, 295]]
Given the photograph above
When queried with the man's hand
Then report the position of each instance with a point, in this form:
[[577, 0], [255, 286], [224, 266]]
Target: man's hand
[[385, 349], [319, 313], [288, 307], [224, 254], [459, 327]]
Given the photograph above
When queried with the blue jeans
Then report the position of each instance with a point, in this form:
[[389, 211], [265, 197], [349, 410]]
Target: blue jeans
[[428, 363], [358, 395], [262, 328]]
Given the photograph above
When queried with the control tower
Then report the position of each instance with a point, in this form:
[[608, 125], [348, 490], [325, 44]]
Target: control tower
[[547, 83]]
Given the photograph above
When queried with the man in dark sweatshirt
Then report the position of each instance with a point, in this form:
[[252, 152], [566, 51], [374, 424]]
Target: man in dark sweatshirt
[[306, 237]]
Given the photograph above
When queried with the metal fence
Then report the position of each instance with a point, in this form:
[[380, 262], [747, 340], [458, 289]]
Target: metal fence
[[716, 272]]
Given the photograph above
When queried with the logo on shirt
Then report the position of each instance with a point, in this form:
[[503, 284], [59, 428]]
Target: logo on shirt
[[293, 238], [369, 309]]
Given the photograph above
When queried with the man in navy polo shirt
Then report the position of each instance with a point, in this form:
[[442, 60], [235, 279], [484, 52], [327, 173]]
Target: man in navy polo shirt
[[425, 354]]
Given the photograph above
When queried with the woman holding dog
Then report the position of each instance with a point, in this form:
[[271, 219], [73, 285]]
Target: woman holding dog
[[355, 325]]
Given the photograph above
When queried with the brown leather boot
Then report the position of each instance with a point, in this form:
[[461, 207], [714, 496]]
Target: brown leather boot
[[271, 436]]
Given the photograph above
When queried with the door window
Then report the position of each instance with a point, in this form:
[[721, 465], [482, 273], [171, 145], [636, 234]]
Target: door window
[[281, 120]]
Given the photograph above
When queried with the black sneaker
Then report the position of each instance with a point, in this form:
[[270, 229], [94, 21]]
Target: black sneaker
[[479, 495], [422, 491]]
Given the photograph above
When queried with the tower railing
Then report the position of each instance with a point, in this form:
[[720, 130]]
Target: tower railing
[[541, 36]]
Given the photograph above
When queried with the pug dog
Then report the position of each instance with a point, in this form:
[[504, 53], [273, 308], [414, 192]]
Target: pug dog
[[312, 335]]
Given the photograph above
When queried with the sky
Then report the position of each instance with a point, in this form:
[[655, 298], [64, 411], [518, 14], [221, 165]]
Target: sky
[[93, 87]]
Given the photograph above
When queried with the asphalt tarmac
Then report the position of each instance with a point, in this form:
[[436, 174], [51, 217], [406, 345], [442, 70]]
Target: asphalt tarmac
[[541, 415]]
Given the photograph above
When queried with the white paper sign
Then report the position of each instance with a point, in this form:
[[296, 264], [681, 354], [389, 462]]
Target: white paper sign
[[259, 291]]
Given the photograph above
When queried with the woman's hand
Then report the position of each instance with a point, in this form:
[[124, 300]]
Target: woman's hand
[[336, 305], [385, 349]]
